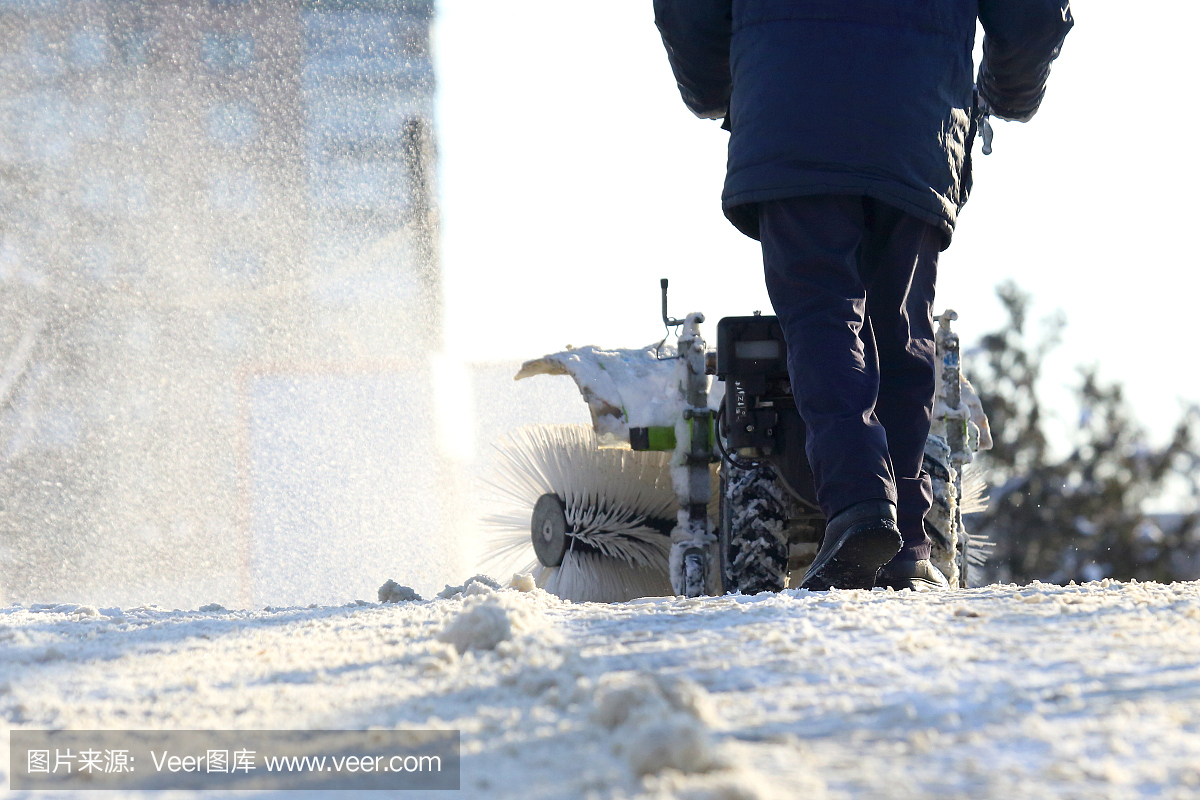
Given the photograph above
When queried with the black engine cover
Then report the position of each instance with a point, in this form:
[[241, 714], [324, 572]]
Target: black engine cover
[[760, 413]]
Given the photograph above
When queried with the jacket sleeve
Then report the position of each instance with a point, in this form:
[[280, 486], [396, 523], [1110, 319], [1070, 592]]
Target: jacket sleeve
[[1021, 39], [696, 34]]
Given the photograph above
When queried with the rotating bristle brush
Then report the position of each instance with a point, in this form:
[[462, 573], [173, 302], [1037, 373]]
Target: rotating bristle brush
[[592, 525]]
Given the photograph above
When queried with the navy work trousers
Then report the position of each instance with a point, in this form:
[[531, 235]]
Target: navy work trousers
[[852, 281]]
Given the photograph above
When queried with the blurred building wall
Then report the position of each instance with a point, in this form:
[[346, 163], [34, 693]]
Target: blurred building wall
[[201, 205]]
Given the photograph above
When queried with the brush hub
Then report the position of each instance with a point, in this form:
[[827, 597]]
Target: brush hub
[[548, 530]]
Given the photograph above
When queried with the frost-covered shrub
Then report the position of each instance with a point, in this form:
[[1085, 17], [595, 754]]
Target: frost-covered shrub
[[1081, 517]]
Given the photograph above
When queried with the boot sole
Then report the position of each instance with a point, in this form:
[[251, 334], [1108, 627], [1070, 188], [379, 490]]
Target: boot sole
[[915, 584], [855, 562]]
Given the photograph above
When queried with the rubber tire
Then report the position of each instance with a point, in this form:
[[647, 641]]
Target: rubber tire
[[942, 521], [754, 546]]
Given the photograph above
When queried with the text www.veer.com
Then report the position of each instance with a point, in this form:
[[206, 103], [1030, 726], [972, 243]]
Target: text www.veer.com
[[353, 763]]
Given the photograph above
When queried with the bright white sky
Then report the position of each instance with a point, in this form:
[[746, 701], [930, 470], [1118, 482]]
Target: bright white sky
[[573, 178]]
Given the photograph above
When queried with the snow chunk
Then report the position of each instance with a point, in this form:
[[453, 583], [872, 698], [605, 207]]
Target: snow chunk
[[392, 592], [489, 618], [625, 696], [676, 742], [213, 608], [477, 584], [661, 722], [522, 582], [480, 627]]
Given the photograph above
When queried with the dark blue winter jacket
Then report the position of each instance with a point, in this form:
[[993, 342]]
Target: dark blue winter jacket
[[871, 97]]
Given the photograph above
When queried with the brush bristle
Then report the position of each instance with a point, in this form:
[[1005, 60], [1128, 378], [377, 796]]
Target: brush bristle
[[591, 578], [974, 500], [610, 497], [974, 488]]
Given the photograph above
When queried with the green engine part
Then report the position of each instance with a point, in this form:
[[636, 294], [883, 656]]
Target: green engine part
[[659, 437]]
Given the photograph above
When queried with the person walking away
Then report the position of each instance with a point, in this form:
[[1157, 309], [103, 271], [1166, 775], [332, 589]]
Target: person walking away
[[851, 125]]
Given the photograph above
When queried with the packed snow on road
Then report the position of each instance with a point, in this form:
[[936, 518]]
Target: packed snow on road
[[1036, 691]]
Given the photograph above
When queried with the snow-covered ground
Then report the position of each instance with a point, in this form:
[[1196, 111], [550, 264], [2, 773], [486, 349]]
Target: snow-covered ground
[[1008, 692]]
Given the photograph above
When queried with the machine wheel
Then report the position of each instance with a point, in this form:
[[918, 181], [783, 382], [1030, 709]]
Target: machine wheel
[[943, 521], [753, 531], [695, 572]]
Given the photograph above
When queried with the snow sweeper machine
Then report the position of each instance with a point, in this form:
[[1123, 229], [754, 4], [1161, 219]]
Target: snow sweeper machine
[[692, 486]]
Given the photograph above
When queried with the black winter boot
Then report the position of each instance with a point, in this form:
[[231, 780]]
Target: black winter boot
[[920, 576], [857, 542]]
